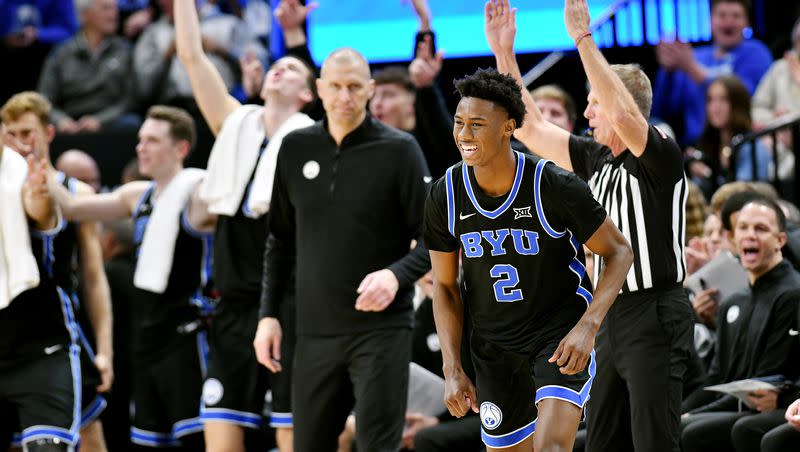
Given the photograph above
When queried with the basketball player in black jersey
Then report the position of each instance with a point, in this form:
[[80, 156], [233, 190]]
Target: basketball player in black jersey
[[233, 394], [39, 369], [168, 379], [72, 243], [518, 223]]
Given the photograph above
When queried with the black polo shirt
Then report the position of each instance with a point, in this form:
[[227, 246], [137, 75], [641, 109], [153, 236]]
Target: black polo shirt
[[340, 213]]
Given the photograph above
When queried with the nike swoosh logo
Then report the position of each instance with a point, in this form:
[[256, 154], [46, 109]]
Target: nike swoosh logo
[[793, 332], [461, 216], [52, 349]]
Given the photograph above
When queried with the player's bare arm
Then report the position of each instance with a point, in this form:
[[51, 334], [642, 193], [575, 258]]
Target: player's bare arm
[[574, 350], [116, 205], [37, 199], [540, 136], [626, 119], [200, 219], [209, 89], [448, 312], [97, 295]]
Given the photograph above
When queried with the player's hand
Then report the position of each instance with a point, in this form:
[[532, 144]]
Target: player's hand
[[414, 423], [377, 291], [423, 13], [764, 400], [426, 66], [291, 14], [500, 26], [459, 393], [252, 73], [268, 343], [37, 179], [574, 350], [793, 414], [103, 364], [576, 18]]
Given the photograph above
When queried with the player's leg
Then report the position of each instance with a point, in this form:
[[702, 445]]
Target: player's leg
[[608, 411], [46, 392], [234, 389], [506, 395], [560, 400], [654, 342], [180, 388], [322, 395], [748, 431], [378, 367], [150, 427], [281, 383], [92, 439]]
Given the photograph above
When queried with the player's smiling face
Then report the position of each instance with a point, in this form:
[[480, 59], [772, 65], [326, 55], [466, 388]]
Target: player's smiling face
[[481, 130]]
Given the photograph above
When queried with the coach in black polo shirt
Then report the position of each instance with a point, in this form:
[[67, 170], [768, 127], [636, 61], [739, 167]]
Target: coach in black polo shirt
[[636, 172], [348, 200]]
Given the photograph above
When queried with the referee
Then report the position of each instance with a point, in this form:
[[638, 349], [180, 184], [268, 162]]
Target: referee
[[347, 201], [636, 172]]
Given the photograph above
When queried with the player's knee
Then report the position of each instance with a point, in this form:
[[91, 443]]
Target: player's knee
[[553, 441], [48, 445]]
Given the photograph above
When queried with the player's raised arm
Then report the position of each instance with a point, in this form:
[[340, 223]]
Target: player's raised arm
[[608, 242], [37, 200], [116, 205], [207, 85], [540, 136], [626, 119]]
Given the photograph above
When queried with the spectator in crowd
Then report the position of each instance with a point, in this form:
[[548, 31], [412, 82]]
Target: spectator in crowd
[[696, 212], [556, 105], [135, 16], [779, 91], [81, 166], [88, 78], [28, 30], [752, 331], [685, 73], [728, 114]]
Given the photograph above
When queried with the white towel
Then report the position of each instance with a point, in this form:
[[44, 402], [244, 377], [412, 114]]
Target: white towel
[[235, 154], [18, 269], [158, 244]]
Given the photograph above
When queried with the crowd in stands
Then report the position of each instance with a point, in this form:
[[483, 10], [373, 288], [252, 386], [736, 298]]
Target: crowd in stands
[[102, 64]]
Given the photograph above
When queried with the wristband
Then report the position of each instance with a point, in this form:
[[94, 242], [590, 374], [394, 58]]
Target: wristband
[[580, 38]]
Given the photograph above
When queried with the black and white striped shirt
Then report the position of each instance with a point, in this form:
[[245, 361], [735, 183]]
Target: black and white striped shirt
[[646, 199]]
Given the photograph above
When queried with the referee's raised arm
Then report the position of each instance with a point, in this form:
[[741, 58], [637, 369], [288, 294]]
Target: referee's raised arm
[[539, 135], [627, 120]]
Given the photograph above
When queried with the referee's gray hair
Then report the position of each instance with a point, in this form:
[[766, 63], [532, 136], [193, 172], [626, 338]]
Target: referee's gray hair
[[637, 83]]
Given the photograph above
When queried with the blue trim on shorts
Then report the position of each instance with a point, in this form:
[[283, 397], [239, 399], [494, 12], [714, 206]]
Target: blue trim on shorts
[[186, 427], [230, 416], [49, 432], [578, 398], [509, 439], [93, 411], [281, 420], [153, 439]]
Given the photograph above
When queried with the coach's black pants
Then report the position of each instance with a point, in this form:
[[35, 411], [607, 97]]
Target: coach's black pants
[[642, 349], [333, 373], [767, 432], [459, 434]]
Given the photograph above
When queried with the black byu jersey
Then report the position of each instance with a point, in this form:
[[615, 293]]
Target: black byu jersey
[[524, 278]]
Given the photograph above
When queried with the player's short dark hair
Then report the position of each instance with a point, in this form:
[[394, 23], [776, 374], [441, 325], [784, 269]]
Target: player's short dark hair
[[734, 204], [394, 75], [770, 204], [181, 124], [500, 89]]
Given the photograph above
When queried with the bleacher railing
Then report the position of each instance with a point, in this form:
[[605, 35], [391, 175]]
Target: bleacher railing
[[787, 189]]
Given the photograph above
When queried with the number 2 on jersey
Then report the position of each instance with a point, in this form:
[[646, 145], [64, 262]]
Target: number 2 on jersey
[[504, 290]]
